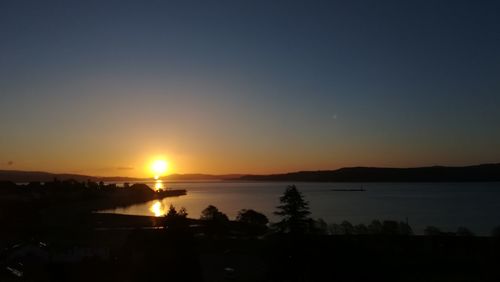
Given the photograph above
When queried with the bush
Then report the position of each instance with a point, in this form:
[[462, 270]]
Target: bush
[[319, 227], [211, 213], [432, 231], [334, 229], [390, 227], [464, 232], [252, 217], [216, 222], [496, 232], [254, 223], [176, 221], [375, 227], [361, 229], [347, 228]]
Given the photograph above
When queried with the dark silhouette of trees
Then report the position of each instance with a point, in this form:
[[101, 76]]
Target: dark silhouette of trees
[[253, 222], [464, 232], [361, 229], [375, 227], [319, 226], [496, 232], [294, 211], [176, 219], [173, 213], [347, 228], [405, 229], [334, 229], [432, 231], [216, 222], [388, 227], [391, 227], [252, 217], [211, 213], [461, 231]]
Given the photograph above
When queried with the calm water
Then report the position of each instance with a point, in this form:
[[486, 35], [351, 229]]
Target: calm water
[[446, 205]]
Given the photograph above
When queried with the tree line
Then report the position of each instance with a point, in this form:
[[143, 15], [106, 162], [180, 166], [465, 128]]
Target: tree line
[[295, 219]]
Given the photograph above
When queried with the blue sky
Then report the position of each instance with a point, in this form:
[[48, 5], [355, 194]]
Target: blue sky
[[248, 86]]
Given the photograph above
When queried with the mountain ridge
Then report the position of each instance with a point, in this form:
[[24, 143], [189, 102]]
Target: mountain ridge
[[481, 172], [41, 176]]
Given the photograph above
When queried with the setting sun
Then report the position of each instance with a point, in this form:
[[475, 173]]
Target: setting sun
[[159, 168]]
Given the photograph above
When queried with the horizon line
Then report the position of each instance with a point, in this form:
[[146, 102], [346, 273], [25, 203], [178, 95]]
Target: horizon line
[[243, 174]]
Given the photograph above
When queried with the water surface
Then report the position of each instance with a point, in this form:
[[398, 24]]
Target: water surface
[[445, 205]]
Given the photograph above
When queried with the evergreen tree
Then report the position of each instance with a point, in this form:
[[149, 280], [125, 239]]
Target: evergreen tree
[[294, 211]]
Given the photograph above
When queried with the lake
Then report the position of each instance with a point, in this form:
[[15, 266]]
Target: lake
[[445, 205]]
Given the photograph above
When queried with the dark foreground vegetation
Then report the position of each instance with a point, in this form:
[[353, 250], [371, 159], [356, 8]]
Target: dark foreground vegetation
[[84, 246]]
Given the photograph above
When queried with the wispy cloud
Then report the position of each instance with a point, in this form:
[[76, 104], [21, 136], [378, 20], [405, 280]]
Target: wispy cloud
[[124, 168]]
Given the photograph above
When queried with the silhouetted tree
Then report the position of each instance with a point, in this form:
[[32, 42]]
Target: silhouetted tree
[[390, 227], [176, 220], [252, 217], [319, 226], [216, 222], [432, 231], [294, 211], [173, 213], [375, 227], [254, 222], [464, 232], [347, 228], [405, 229], [334, 229], [496, 232], [361, 229], [211, 213]]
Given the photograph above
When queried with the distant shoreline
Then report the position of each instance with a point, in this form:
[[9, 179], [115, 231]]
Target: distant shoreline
[[475, 173]]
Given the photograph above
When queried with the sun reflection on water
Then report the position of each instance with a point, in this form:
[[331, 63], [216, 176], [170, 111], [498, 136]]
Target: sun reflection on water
[[159, 185], [157, 209]]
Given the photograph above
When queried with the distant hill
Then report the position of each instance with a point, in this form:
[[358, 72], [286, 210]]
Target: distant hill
[[199, 176], [484, 172], [30, 176]]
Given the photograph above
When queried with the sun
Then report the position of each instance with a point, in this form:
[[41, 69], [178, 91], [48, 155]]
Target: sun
[[159, 168]]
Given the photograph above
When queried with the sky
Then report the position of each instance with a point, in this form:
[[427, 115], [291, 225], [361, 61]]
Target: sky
[[105, 87]]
